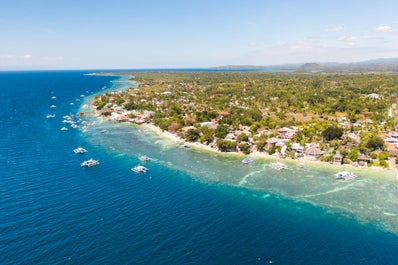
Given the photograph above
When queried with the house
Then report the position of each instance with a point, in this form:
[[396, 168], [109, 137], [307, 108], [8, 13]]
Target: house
[[355, 138], [374, 96], [223, 113], [394, 134], [139, 121], [209, 124], [363, 159], [271, 142], [283, 131], [122, 118], [230, 136], [338, 158], [297, 148], [313, 152], [392, 149]]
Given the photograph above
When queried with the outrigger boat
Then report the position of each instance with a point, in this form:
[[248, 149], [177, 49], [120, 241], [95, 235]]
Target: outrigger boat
[[247, 161], [139, 169], [145, 158], [346, 175], [89, 163], [79, 150], [279, 166]]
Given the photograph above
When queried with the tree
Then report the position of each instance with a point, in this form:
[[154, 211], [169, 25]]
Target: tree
[[332, 132], [260, 145], [221, 131], [375, 142], [192, 135], [100, 105], [272, 150], [225, 145], [242, 138], [383, 163], [174, 127], [244, 148], [383, 155], [207, 135], [353, 155], [254, 127]]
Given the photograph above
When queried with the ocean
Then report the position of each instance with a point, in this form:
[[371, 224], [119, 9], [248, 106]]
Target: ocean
[[192, 207]]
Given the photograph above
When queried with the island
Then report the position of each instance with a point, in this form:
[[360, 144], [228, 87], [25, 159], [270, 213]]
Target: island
[[335, 118]]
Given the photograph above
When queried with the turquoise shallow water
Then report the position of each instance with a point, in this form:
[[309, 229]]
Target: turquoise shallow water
[[192, 207]]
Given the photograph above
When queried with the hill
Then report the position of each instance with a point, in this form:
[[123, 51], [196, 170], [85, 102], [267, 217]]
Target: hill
[[375, 65], [310, 67]]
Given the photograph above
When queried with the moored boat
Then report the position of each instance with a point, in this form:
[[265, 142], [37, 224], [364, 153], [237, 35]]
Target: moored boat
[[79, 150], [346, 175], [89, 163], [279, 166], [184, 145], [144, 158], [247, 161], [139, 169]]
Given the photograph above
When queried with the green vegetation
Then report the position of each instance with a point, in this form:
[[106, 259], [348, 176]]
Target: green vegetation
[[332, 132], [345, 113]]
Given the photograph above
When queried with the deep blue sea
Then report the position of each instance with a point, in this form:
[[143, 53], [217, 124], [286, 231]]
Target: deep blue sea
[[52, 211]]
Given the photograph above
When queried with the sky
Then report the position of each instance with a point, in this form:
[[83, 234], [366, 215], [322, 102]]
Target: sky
[[135, 34]]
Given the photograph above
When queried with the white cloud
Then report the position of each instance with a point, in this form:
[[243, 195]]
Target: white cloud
[[27, 56], [28, 61], [387, 29], [352, 40], [16, 57], [335, 29]]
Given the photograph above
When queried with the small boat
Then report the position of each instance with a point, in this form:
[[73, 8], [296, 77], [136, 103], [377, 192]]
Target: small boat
[[64, 129], [301, 165], [184, 145], [279, 166], [346, 175], [247, 161], [79, 150], [145, 159], [139, 169], [50, 116], [89, 163], [53, 106], [53, 97]]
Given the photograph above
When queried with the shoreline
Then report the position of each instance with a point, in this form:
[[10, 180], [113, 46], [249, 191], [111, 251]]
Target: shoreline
[[264, 156], [256, 154]]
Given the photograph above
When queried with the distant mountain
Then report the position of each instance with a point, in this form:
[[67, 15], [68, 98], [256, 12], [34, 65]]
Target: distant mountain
[[375, 65], [238, 67], [310, 67]]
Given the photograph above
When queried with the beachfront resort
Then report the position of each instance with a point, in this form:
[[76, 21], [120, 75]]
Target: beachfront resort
[[335, 118]]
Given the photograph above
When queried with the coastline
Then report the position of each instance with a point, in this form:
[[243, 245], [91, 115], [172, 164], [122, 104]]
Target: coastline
[[384, 172], [360, 170]]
